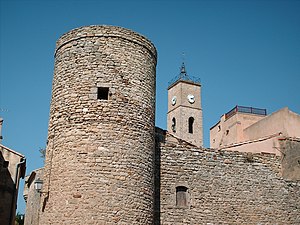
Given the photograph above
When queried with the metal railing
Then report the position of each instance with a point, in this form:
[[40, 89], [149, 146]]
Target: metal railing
[[185, 78], [244, 109]]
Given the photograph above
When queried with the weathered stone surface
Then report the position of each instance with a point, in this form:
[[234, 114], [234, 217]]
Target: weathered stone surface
[[224, 187], [290, 158], [99, 161], [100, 158], [180, 113], [32, 197]]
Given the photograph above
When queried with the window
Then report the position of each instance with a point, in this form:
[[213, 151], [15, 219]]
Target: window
[[181, 196], [174, 124], [191, 123], [102, 93]]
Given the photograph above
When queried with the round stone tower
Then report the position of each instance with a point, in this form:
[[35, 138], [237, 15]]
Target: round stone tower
[[99, 159]]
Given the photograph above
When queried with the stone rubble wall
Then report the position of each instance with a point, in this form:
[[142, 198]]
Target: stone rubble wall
[[99, 158], [290, 148], [225, 187]]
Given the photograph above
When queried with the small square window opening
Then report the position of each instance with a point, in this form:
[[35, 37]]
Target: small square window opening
[[102, 93]]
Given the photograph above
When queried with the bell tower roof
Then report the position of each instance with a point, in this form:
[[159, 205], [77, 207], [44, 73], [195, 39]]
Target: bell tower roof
[[183, 76]]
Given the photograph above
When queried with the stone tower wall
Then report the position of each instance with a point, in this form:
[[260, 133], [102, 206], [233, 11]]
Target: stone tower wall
[[99, 159]]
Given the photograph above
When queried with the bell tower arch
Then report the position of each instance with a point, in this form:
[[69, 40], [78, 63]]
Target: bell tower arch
[[184, 118]]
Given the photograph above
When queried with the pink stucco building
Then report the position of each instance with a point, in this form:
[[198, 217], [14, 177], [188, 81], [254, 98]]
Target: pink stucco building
[[247, 129]]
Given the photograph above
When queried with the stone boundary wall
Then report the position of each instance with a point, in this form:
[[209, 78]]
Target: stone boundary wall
[[225, 187]]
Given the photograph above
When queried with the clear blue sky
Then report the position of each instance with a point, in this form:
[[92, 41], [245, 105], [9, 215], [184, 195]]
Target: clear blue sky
[[245, 52]]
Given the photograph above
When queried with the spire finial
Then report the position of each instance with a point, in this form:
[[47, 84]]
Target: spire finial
[[182, 68], [183, 76]]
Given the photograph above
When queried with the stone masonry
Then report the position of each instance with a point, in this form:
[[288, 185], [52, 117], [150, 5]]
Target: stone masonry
[[290, 158], [99, 158], [225, 187], [107, 164], [182, 110], [32, 197]]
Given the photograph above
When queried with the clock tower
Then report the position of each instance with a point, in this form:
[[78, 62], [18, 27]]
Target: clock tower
[[184, 108]]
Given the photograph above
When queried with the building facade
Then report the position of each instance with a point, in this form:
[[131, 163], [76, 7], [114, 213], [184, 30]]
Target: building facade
[[230, 128], [12, 169], [32, 196], [107, 164], [248, 129]]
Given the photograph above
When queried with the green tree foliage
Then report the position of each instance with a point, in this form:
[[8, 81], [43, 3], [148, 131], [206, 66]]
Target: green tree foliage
[[19, 219]]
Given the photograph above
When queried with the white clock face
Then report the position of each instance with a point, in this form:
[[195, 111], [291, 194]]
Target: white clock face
[[173, 100], [191, 98]]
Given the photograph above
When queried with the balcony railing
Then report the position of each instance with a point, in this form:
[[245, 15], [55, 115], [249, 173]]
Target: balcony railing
[[244, 109]]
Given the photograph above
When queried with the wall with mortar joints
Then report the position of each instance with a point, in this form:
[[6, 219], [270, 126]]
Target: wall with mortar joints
[[99, 161], [225, 188]]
